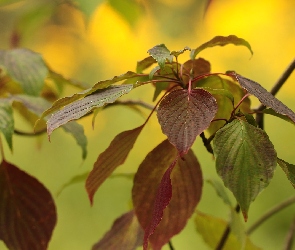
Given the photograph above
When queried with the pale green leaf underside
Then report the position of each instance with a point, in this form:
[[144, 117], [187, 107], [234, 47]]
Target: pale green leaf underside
[[83, 106], [25, 67], [245, 160], [6, 122]]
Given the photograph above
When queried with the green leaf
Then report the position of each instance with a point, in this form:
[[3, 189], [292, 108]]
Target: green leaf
[[270, 111], [28, 213], [212, 228], [153, 71], [289, 170], [223, 92], [110, 159], [25, 67], [220, 190], [159, 87], [245, 160], [250, 119], [6, 122], [221, 41], [81, 107], [224, 101], [160, 53], [144, 64], [179, 52], [100, 85], [88, 7], [77, 131]]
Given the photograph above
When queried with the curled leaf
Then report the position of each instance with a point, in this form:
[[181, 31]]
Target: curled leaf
[[160, 53], [183, 115], [221, 41], [245, 160], [81, 107]]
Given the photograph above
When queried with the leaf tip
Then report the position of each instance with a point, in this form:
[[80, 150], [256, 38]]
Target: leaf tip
[[245, 215]]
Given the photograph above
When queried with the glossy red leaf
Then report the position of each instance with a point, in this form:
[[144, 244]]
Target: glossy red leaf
[[126, 233], [184, 114], [27, 210], [110, 159], [150, 197]]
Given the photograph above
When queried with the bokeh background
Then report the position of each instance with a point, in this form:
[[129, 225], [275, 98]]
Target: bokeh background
[[98, 39]]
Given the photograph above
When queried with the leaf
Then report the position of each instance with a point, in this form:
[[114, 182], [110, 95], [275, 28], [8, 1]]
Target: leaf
[[125, 233], [221, 41], [88, 7], [183, 115], [220, 190], [289, 170], [245, 160], [153, 71], [270, 111], [159, 88], [263, 95], [250, 119], [194, 68], [98, 86], [81, 107], [228, 90], [28, 214], [144, 64], [25, 67], [186, 181], [6, 122], [179, 52], [77, 131], [212, 228], [160, 53], [110, 159]]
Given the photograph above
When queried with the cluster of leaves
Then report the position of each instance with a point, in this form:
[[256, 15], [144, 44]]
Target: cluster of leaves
[[168, 183]]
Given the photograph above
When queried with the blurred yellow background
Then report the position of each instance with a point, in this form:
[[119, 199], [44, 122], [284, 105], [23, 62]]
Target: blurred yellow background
[[107, 39]]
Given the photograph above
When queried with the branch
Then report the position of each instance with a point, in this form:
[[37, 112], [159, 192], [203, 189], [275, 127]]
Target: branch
[[226, 233], [270, 213], [274, 91], [290, 236]]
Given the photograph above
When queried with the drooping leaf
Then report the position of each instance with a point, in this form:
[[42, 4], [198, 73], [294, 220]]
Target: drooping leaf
[[98, 86], [126, 233], [245, 160], [289, 170], [160, 53], [263, 95], [221, 41], [25, 67], [81, 107], [110, 159], [229, 90], [270, 111], [6, 122], [144, 64], [212, 228], [183, 115], [77, 131], [194, 68], [28, 214], [186, 181]]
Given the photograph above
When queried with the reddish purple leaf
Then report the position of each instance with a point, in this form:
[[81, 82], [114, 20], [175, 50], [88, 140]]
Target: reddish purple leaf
[[126, 233], [183, 115], [151, 193], [27, 210], [114, 156], [264, 96]]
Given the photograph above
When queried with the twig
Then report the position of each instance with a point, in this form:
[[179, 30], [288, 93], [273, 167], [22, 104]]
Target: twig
[[170, 245], [206, 143], [270, 213], [22, 133], [274, 91], [133, 102], [226, 233], [290, 236]]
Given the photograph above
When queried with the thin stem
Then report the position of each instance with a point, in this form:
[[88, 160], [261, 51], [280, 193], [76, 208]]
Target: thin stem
[[22, 133], [133, 102], [290, 236], [170, 245], [270, 213], [226, 233], [275, 89]]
